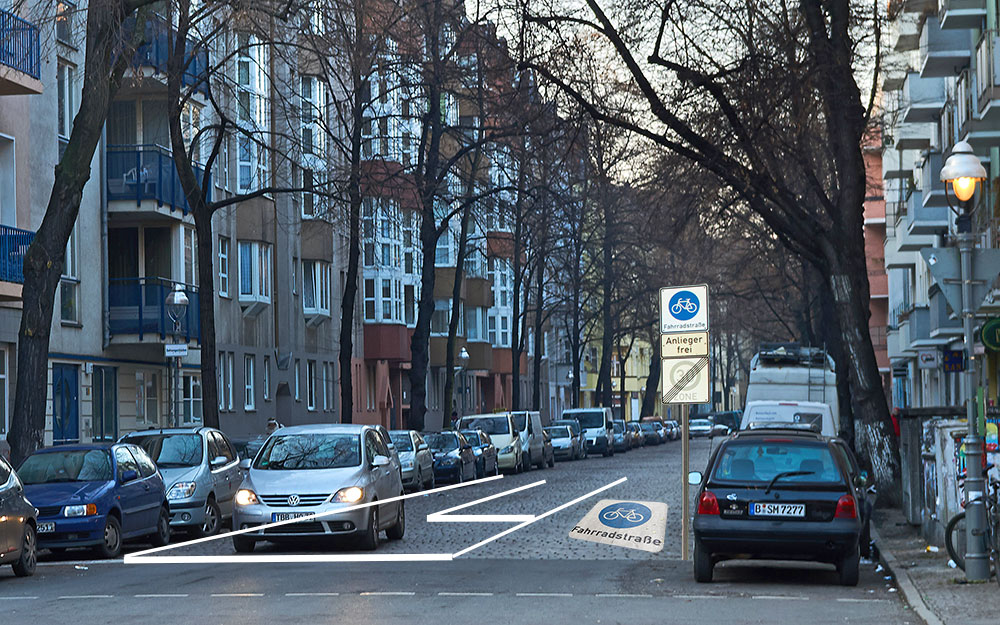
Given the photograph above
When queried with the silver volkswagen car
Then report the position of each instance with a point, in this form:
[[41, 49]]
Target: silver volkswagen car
[[314, 469]]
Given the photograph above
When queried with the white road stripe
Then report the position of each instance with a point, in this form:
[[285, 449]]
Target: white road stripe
[[544, 594], [853, 600], [444, 516], [779, 598], [312, 594], [86, 596], [621, 595], [387, 593], [294, 558], [16, 598], [698, 596], [237, 594], [465, 594], [160, 596]]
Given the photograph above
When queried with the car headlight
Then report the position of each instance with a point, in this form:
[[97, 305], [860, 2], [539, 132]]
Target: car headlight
[[508, 449], [89, 509], [245, 497], [182, 490], [407, 464], [351, 494]]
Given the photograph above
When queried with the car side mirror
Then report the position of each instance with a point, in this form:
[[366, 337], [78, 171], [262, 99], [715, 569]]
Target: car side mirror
[[422, 446], [861, 480], [129, 475], [245, 464], [380, 461], [694, 478], [218, 461]]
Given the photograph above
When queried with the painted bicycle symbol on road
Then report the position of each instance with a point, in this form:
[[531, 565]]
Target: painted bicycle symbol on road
[[624, 515]]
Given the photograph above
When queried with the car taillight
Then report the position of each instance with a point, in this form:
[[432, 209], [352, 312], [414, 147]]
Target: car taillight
[[846, 509], [707, 503]]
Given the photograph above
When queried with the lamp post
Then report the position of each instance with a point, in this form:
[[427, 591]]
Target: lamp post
[[177, 304], [962, 172]]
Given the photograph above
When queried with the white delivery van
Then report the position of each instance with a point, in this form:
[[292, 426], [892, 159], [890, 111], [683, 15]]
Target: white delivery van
[[789, 372], [598, 428], [767, 413], [529, 427]]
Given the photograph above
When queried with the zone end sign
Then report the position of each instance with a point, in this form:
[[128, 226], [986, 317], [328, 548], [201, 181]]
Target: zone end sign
[[684, 309]]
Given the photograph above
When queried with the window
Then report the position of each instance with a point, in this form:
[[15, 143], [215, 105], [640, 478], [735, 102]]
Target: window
[[190, 124], [192, 399], [66, 103], [311, 385], [312, 107], [69, 284], [65, 12], [386, 299], [222, 380], [472, 325], [267, 378], [189, 249], [147, 405], [230, 365], [440, 317], [249, 390], [410, 304], [493, 330], [252, 112], [315, 287], [310, 200], [224, 266], [298, 378], [326, 394], [504, 332], [255, 272], [369, 299], [4, 399]]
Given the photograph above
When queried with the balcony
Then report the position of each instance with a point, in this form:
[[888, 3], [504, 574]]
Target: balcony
[[905, 33], [931, 187], [919, 6], [14, 244], [988, 77], [894, 345], [20, 56], [137, 306], [962, 14], [912, 136], [146, 174], [922, 99], [154, 53], [941, 322], [943, 53], [898, 164]]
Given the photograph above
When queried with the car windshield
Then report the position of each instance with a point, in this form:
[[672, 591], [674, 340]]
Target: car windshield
[[401, 440], [442, 441], [81, 465], [701, 423], [590, 418], [647, 427], [171, 450], [559, 431], [309, 451], [490, 425], [761, 461], [472, 437], [520, 421], [619, 427], [572, 423]]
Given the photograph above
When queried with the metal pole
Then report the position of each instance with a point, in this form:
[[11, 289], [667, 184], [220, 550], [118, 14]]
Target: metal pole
[[685, 497], [977, 565]]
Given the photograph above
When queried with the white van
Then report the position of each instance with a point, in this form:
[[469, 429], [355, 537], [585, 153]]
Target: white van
[[529, 427], [797, 413], [598, 428], [500, 426]]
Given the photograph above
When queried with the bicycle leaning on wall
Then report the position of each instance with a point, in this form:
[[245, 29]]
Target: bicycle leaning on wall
[[954, 533]]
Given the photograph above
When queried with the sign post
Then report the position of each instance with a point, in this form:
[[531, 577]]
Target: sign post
[[685, 378]]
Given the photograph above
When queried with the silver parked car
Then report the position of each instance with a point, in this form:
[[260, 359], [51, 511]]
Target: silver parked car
[[312, 469], [200, 469], [415, 458], [18, 520]]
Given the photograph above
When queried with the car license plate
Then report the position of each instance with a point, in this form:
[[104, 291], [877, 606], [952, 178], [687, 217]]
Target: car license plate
[[778, 509], [46, 528], [288, 516]]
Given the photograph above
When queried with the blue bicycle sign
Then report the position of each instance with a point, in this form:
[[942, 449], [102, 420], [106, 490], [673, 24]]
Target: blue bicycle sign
[[684, 305], [625, 514]]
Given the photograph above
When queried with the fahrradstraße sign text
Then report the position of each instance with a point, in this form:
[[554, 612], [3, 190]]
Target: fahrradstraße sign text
[[684, 309], [632, 524]]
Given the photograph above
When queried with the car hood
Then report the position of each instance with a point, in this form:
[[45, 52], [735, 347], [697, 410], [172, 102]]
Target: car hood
[[406, 456], [65, 493], [311, 481], [562, 440], [592, 432], [179, 474], [501, 440]]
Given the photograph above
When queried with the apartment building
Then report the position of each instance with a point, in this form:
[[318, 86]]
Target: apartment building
[[940, 87], [276, 258], [878, 281]]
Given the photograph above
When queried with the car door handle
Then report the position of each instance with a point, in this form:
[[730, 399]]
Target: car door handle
[[146, 486]]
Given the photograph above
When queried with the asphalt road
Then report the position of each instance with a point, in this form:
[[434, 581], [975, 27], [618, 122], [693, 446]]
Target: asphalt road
[[536, 574]]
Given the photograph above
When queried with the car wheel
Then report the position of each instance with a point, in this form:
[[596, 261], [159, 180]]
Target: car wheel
[[25, 565], [242, 544], [496, 467], [433, 481], [369, 539], [703, 565], [161, 537], [541, 462], [396, 531], [526, 464], [213, 518], [481, 472], [848, 568], [552, 461], [111, 546], [418, 482]]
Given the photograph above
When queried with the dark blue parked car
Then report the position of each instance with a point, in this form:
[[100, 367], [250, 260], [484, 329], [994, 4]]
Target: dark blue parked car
[[96, 496]]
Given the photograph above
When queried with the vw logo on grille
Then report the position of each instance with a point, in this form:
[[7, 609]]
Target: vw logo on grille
[[293, 500]]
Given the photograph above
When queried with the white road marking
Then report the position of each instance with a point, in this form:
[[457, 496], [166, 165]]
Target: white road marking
[[697, 596], [444, 516], [237, 594], [86, 596], [80, 562], [465, 594], [297, 558], [312, 594], [161, 596], [16, 598], [544, 594], [511, 530], [853, 600], [621, 595], [779, 598], [387, 593]]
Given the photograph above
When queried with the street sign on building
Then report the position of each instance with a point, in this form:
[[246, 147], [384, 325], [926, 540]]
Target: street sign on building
[[175, 350], [929, 359], [990, 334], [686, 345], [953, 360], [684, 309]]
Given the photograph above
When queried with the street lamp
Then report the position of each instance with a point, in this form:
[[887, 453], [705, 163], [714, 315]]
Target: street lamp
[[962, 172], [177, 304], [463, 362]]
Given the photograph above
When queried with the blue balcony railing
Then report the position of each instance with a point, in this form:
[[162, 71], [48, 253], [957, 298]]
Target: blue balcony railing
[[138, 306], [146, 172], [155, 52], [19, 44], [14, 244]]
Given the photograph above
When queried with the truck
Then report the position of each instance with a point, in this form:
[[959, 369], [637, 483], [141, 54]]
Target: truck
[[789, 372]]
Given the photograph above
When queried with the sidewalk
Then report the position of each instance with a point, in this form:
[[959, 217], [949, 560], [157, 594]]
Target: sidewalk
[[936, 592]]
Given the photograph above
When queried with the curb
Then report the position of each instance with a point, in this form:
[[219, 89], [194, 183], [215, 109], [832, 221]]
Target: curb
[[906, 585]]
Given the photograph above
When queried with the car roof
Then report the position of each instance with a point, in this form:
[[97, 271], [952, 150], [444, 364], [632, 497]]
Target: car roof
[[75, 447], [195, 430], [324, 428], [807, 435]]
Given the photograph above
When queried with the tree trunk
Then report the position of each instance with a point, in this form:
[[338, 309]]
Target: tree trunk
[[348, 304], [536, 382], [515, 342], [456, 309], [652, 396], [607, 319], [104, 66]]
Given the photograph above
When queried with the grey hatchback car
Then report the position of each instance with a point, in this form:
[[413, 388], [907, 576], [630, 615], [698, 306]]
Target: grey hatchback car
[[318, 469], [18, 542], [200, 469]]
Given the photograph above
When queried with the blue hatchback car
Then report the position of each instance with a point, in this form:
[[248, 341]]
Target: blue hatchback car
[[96, 496]]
